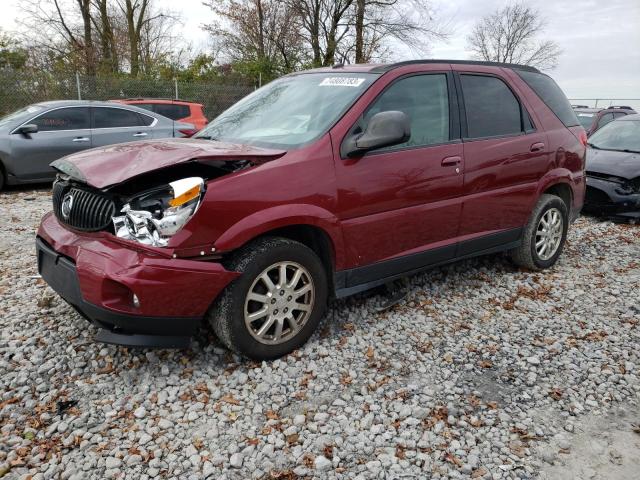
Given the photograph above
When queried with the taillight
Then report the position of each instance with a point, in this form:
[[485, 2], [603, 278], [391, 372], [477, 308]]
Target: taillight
[[583, 138], [190, 132]]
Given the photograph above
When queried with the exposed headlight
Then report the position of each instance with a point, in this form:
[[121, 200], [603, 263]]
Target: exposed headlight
[[153, 217]]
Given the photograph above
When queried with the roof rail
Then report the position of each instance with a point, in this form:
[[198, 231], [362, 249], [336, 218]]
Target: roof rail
[[580, 106], [620, 107], [391, 66]]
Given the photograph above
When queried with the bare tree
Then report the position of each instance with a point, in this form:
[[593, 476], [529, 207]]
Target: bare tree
[[409, 22], [511, 34], [262, 34]]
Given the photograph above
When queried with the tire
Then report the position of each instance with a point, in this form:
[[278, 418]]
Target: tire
[[267, 256], [2, 179], [536, 258]]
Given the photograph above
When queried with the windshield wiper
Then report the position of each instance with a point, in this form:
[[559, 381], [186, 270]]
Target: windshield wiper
[[627, 150], [593, 146]]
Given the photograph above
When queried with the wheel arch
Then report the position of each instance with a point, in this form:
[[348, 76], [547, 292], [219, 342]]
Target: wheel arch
[[312, 226]]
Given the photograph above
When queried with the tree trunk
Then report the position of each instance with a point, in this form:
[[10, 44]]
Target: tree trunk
[[360, 6], [261, 49], [85, 10]]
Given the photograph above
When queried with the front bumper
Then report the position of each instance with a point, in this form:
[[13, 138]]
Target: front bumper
[[602, 199], [99, 277]]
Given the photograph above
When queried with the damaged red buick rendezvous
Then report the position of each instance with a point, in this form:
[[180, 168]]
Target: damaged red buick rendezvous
[[322, 183]]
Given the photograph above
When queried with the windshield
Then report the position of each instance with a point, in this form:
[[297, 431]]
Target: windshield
[[18, 113], [623, 135], [291, 111], [585, 119]]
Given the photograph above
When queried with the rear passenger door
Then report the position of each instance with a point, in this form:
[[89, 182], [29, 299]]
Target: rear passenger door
[[505, 155], [118, 125]]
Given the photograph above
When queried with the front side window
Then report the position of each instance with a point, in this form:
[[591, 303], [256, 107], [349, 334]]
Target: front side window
[[105, 117], [491, 107], [623, 135], [76, 118], [291, 111], [604, 119], [425, 100]]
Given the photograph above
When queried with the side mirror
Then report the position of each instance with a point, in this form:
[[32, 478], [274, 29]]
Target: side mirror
[[28, 129], [383, 130]]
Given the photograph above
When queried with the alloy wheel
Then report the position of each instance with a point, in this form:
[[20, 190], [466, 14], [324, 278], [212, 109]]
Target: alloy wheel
[[279, 303], [549, 234]]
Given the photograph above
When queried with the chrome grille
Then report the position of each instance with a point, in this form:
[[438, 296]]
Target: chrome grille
[[88, 210]]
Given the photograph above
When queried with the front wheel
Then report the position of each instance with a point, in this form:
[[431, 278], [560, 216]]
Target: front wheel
[[545, 234], [277, 302]]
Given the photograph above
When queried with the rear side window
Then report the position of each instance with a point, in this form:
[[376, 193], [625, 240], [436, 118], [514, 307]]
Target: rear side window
[[550, 93], [146, 106], [425, 100], [491, 108], [63, 119], [174, 112], [115, 118]]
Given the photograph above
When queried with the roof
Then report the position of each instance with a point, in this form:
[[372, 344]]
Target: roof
[[176, 101], [382, 68], [634, 117]]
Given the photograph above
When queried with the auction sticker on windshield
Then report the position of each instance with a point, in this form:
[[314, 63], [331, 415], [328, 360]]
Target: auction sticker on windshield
[[341, 82]]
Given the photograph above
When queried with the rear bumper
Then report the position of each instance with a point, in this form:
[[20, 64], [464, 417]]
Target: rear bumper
[[100, 277]]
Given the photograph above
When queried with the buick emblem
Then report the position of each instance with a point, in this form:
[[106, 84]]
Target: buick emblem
[[67, 203]]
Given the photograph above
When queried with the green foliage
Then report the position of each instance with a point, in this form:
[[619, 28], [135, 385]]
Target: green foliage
[[11, 55]]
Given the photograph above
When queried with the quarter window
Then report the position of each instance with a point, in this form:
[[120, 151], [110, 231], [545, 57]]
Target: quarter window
[[63, 119], [115, 118], [491, 108], [425, 100], [174, 112]]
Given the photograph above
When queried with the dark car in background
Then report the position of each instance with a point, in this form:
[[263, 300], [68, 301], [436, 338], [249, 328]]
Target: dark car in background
[[35, 136], [179, 110], [593, 119], [613, 170]]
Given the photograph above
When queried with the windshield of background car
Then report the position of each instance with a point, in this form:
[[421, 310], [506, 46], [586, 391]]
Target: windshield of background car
[[31, 109], [585, 119], [291, 111], [621, 135]]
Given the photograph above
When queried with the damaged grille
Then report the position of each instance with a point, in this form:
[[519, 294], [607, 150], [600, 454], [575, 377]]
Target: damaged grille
[[82, 208]]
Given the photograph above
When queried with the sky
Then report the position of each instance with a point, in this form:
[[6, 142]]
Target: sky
[[600, 40]]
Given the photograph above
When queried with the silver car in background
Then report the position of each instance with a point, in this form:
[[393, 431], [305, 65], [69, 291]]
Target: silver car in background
[[33, 137]]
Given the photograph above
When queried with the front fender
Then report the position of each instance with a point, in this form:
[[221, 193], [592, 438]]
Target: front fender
[[280, 216]]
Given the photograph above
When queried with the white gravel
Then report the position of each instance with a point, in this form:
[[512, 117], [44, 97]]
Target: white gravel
[[484, 371]]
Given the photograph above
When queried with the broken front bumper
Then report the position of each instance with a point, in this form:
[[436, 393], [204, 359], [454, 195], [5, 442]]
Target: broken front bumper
[[602, 199], [134, 297]]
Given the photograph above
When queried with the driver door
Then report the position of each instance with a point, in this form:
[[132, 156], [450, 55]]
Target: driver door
[[60, 132], [402, 204]]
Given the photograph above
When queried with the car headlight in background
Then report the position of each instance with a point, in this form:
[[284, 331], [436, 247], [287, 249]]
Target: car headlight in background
[[153, 217]]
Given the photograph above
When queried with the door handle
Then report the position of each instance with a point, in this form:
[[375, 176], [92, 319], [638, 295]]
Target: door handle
[[451, 161], [537, 147], [140, 134], [81, 139]]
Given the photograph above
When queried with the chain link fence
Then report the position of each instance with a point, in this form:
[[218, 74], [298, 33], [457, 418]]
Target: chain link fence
[[18, 89], [606, 102]]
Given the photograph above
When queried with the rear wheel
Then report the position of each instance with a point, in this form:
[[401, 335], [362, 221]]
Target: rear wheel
[[544, 235], [277, 302]]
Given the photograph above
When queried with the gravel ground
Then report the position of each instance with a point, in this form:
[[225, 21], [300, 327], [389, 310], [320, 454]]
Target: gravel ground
[[484, 371]]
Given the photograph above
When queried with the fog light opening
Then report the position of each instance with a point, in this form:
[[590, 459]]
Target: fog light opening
[[136, 301]]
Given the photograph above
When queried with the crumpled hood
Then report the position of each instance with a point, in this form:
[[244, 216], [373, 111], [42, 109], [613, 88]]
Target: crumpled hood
[[619, 164], [106, 166]]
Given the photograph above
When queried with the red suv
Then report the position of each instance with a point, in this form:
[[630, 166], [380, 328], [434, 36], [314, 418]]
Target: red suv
[[323, 183], [178, 110]]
